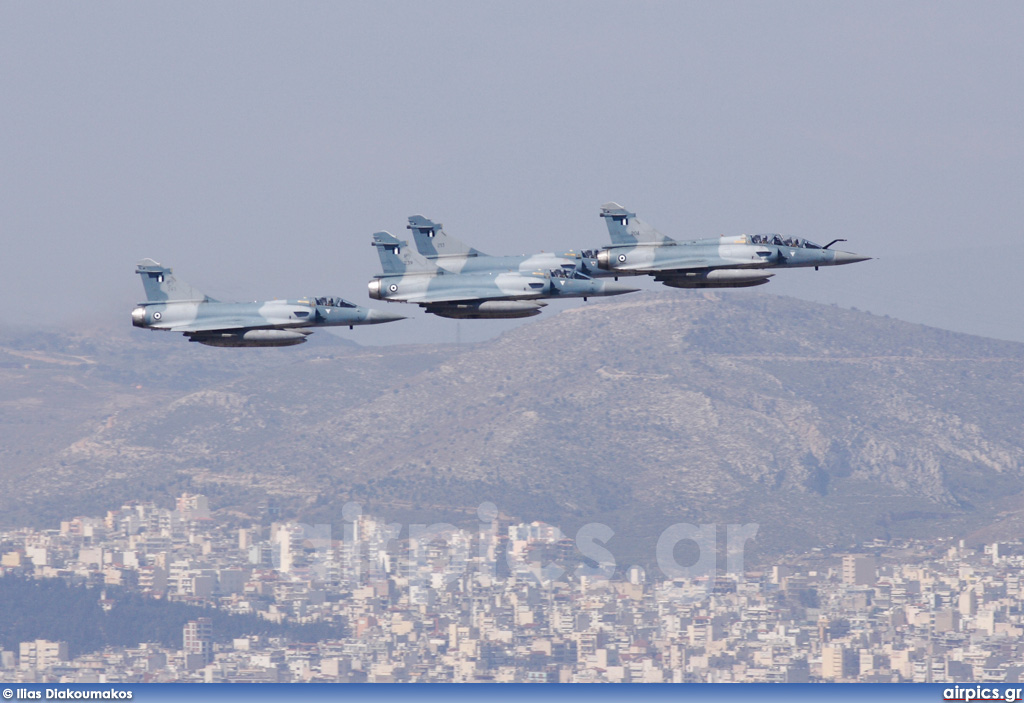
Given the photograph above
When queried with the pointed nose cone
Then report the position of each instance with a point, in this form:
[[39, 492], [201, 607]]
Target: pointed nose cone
[[612, 288], [846, 257], [374, 317]]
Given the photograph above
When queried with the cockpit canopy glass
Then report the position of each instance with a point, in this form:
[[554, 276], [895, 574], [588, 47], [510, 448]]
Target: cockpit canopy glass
[[779, 241], [569, 271], [334, 303]]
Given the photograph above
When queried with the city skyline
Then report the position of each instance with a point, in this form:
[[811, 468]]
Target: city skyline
[[904, 610]]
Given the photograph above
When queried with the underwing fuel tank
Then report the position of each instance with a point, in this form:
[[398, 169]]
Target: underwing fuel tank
[[487, 309], [252, 338], [587, 287], [719, 278]]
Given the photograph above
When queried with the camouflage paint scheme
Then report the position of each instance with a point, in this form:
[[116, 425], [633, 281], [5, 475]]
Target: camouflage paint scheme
[[476, 291], [177, 306], [719, 262], [453, 255]]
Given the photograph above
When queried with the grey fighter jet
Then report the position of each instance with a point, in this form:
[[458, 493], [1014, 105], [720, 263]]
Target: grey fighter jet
[[719, 262], [455, 256], [176, 306], [475, 294]]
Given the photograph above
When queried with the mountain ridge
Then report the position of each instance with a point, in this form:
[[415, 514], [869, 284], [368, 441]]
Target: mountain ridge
[[821, 425]]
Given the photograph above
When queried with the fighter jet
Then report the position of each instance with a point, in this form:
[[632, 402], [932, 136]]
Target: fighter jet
[[482, 294], [719, 262], [176, 306], [455, 256]]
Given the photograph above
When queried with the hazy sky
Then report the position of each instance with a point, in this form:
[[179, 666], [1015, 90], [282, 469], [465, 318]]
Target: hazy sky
[[255, 146]]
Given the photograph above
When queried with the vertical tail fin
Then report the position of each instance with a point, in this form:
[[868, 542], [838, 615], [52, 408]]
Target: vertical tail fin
[[626, 228], [396, 257], [433, 242], [161, 285]]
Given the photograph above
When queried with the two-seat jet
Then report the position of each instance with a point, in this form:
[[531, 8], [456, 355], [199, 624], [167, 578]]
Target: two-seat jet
[[719, 262], [473, 289], [176, 306]]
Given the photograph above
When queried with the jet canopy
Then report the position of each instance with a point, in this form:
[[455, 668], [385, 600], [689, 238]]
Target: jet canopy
[[780, 241], [569, 271], [334, 302]]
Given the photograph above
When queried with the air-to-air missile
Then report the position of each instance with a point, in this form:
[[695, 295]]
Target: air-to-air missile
[[720, 262], [179, 307], [476, 293]]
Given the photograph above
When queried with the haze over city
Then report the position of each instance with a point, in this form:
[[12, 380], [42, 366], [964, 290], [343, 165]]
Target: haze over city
[[819, 479]]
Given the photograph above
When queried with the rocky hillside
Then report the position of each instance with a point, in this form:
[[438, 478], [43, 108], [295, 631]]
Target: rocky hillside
[[821, 425]]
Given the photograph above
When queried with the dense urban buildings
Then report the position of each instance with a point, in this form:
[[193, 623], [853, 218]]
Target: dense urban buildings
[[514, 602]]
